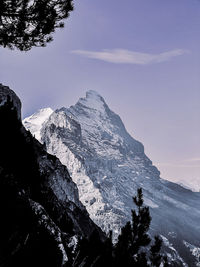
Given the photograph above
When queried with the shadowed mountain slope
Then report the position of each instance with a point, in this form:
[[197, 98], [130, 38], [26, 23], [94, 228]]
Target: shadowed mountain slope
[[39, 203]]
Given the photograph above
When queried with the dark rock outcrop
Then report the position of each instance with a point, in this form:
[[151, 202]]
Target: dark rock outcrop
[[39, 203], [6, 92]]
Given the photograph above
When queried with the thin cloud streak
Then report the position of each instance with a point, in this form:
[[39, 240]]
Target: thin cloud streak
[[121, 56]]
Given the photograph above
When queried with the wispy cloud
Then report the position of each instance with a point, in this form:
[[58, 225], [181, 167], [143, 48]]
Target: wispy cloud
[[121, 56]]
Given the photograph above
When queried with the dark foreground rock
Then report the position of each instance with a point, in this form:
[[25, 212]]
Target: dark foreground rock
[[39, 204]]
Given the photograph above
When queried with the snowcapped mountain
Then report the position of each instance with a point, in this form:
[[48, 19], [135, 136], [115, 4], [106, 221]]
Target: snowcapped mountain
[[35, 121], [108, 166]]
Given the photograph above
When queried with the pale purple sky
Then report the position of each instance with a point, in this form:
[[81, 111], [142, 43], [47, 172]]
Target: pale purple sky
[[142, 56]]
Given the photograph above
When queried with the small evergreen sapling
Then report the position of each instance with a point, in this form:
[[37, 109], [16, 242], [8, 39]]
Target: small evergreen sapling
[[133, 242], [155, 255]]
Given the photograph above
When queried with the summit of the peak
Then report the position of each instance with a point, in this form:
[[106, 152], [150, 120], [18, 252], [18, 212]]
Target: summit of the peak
[[93, 100], [93, 94]]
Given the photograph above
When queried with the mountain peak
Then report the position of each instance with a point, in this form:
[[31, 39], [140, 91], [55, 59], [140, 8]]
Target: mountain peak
[[93, 94], [93, 100], [108, 166]]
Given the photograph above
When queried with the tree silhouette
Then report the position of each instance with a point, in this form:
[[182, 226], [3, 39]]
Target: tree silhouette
[[155, 255], [28, 23], [132, 246]]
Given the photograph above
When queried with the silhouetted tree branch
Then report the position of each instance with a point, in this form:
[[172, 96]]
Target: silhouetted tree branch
[[28, 23]]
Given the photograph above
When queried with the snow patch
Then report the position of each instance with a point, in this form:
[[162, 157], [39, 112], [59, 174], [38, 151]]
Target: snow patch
[[34, 122], [174, 255], [194, 250]]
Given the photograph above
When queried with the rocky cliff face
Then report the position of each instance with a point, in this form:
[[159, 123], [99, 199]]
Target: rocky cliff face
[[39, 203], [101, 156], [5, 93], [108, 166]]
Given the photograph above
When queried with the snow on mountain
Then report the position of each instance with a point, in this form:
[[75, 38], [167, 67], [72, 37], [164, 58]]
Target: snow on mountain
[[35, 121], [195, 252], [108, 165]]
